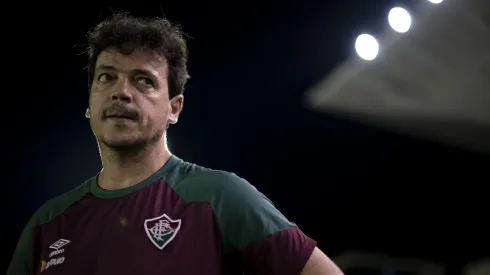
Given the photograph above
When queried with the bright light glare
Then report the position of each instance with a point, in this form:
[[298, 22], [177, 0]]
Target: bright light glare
[[435, 1], [399, 19], [367, 47]]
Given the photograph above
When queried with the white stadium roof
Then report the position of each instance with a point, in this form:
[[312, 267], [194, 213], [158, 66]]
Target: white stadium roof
[[431, 79]]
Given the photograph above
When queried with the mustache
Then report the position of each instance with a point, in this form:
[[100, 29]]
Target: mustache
[[119, 110]]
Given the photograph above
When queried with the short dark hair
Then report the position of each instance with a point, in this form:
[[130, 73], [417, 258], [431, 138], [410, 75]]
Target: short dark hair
[[125, 33]]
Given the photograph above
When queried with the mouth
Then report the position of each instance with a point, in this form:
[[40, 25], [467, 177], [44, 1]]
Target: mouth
[[120, 117], [118, 112]]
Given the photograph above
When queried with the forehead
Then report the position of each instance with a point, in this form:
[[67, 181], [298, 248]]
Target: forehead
[[139, 59]]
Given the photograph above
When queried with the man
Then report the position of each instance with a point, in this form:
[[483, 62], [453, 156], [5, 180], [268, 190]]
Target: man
[[148, 212]]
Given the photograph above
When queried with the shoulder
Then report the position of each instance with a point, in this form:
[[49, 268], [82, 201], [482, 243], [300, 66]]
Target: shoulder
[[59, 204], [21, 260], [244, 214], [203, 184]]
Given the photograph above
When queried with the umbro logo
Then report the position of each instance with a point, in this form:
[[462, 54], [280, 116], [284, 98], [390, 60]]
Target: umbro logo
[[59, 244], [56, 257]]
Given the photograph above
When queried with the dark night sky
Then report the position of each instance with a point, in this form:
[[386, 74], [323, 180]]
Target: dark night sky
[[346, 185]]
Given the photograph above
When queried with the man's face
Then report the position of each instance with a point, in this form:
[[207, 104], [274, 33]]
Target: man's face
[[129, 102]]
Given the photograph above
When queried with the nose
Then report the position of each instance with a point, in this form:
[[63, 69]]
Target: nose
[[122, 92]]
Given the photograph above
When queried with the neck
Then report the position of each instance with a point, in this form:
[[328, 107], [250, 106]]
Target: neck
[[122, 169]]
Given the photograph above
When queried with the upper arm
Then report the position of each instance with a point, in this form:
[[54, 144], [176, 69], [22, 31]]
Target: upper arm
[[265, 240], [320, 264]]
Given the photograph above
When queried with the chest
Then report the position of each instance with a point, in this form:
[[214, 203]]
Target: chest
[[127, 237]]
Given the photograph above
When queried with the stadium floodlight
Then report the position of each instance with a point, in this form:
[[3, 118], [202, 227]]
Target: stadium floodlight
[[435, 1], [417, 89], [399, 19], [367, 47]]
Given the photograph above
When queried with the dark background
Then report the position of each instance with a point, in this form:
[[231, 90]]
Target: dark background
[[346, 185]]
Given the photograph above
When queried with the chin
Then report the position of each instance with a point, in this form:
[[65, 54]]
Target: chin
[[122, 143]]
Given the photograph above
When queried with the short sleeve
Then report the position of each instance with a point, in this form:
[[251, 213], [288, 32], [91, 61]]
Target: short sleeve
[[23, 260], [27, 254], [251, 226]]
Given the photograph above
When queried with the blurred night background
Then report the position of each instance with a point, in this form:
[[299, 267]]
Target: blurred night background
[[354, 188]]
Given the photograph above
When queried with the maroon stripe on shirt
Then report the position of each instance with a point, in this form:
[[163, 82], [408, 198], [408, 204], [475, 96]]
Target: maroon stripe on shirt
[[285, 253]]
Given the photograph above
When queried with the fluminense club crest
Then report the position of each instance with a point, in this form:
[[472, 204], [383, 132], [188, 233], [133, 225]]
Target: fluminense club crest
[[162, 230]]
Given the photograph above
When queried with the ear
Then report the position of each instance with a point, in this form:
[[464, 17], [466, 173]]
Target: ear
[[176, 105], [87, 113]]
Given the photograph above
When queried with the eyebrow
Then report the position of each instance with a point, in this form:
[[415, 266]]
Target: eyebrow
[[112, 68]]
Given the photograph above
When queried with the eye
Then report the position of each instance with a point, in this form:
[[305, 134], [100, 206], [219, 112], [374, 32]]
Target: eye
[[145, 81], [104, 78]]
